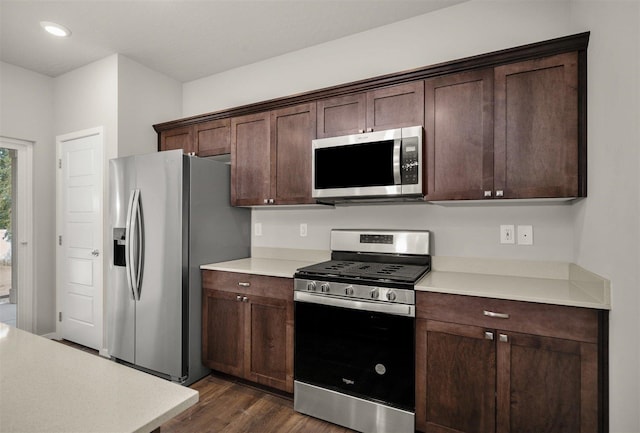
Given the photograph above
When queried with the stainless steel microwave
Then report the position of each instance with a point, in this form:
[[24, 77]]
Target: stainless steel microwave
[[374, 165]]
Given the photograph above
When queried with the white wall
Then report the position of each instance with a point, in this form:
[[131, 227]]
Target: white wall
[[607, 224], [26, 104], [145, 97], [600, 232]]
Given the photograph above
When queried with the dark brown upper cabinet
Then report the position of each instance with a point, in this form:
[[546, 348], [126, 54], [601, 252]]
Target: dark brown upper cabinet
[[178, 138], [202, 139], [459, 135], [506, 132], [385, 108], [536, 148], [510, 124], [213, 137], [271, 157], [250, 159], [292, 130]]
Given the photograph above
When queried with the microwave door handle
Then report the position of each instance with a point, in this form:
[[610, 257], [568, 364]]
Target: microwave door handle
[[397, 145]]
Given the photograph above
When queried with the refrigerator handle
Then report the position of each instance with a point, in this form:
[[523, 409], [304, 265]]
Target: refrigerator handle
[[139, 246], [129, 250]]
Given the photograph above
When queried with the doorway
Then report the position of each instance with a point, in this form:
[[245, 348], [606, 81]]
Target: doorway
[[79, 253], [16, 250]]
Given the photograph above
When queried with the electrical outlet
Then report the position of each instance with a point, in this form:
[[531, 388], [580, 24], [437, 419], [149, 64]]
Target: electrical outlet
[[507, 234], [525, 235], [303, 230], [257, 229]]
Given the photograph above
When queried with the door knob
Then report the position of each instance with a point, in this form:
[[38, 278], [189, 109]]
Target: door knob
[[95, 253]]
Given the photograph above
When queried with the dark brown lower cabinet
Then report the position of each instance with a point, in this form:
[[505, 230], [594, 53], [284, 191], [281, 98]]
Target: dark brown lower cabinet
[[477, 373], [248, 327]]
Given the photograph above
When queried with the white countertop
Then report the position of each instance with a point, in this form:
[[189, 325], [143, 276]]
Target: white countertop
[[558, 283], [260, 266], [46, 386], [542, 290]]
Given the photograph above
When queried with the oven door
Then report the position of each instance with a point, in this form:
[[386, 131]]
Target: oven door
[[365, 354]]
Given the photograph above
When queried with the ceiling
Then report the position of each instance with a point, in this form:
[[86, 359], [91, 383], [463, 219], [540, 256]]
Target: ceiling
[[186, 39]]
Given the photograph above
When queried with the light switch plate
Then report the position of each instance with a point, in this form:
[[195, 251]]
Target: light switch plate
[[257, 229], [525, 235], [303, 230]]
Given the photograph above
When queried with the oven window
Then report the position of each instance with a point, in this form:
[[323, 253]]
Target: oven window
[[354, 166], [364, 354]]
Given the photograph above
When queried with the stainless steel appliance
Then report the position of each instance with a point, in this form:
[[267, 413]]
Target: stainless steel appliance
[[374, 165], [168, 214], [354, 327]]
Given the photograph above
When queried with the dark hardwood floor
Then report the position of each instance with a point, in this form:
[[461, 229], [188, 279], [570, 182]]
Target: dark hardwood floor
[[229, 406]]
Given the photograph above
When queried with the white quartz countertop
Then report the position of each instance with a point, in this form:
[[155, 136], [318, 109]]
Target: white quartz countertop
[[46, 386], [260, 266], [579, 288], [556, 283]]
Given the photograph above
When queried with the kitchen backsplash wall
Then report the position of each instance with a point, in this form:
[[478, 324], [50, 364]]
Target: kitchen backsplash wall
[[458, 230]]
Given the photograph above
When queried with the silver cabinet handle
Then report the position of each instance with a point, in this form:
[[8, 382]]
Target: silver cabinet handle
[[238, 297], [245, 299], [266, 201], [360, 131], [271, 201], [499, 193], [504, 338], [95, 253], [244, 284], [487, 193], [495, 315], [488, 335], [369, 129]]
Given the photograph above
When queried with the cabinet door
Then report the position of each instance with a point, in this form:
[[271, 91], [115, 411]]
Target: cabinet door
[[455, 378], [213, 138], [536, 128], [396, 106], [292, 130], [546, 384], [459, 135], [250, 159], [342, 115], [266, 326], [178, 138], [223, 323]]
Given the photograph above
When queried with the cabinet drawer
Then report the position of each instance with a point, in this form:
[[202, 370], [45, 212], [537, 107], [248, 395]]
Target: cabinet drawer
[[258, 285], [573, 323]]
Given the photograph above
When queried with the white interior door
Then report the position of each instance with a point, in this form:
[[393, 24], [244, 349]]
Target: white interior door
[[80, 244]]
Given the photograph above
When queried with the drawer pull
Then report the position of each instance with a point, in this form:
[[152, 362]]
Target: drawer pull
[[495, 315], [245, 299], [504, 338], [244, 284], [238, 297], [488, 335]]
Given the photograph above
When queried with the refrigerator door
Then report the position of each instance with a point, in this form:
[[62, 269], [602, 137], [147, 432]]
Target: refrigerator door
[[159, 309], [120, 301]]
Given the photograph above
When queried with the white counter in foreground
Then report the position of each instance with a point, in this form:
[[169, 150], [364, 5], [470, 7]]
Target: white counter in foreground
[[46, 386]]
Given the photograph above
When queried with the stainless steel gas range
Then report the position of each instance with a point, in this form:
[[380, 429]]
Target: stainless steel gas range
[[355, 330]]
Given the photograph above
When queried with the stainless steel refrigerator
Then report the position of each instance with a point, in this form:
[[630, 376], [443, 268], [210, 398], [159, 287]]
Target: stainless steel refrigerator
[[168, 214]]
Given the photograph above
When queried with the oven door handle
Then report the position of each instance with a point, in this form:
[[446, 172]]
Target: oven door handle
[[395, 309]]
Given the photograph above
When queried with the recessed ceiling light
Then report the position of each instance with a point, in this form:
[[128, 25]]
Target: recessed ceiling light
[[55, 29]]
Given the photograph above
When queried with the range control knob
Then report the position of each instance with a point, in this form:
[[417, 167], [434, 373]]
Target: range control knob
[[324, 288], [311, 286], [374, 293], [349, 290], [391, 296]]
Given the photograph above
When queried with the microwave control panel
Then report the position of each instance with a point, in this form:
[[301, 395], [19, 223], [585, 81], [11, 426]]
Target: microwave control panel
[[409, 161]]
